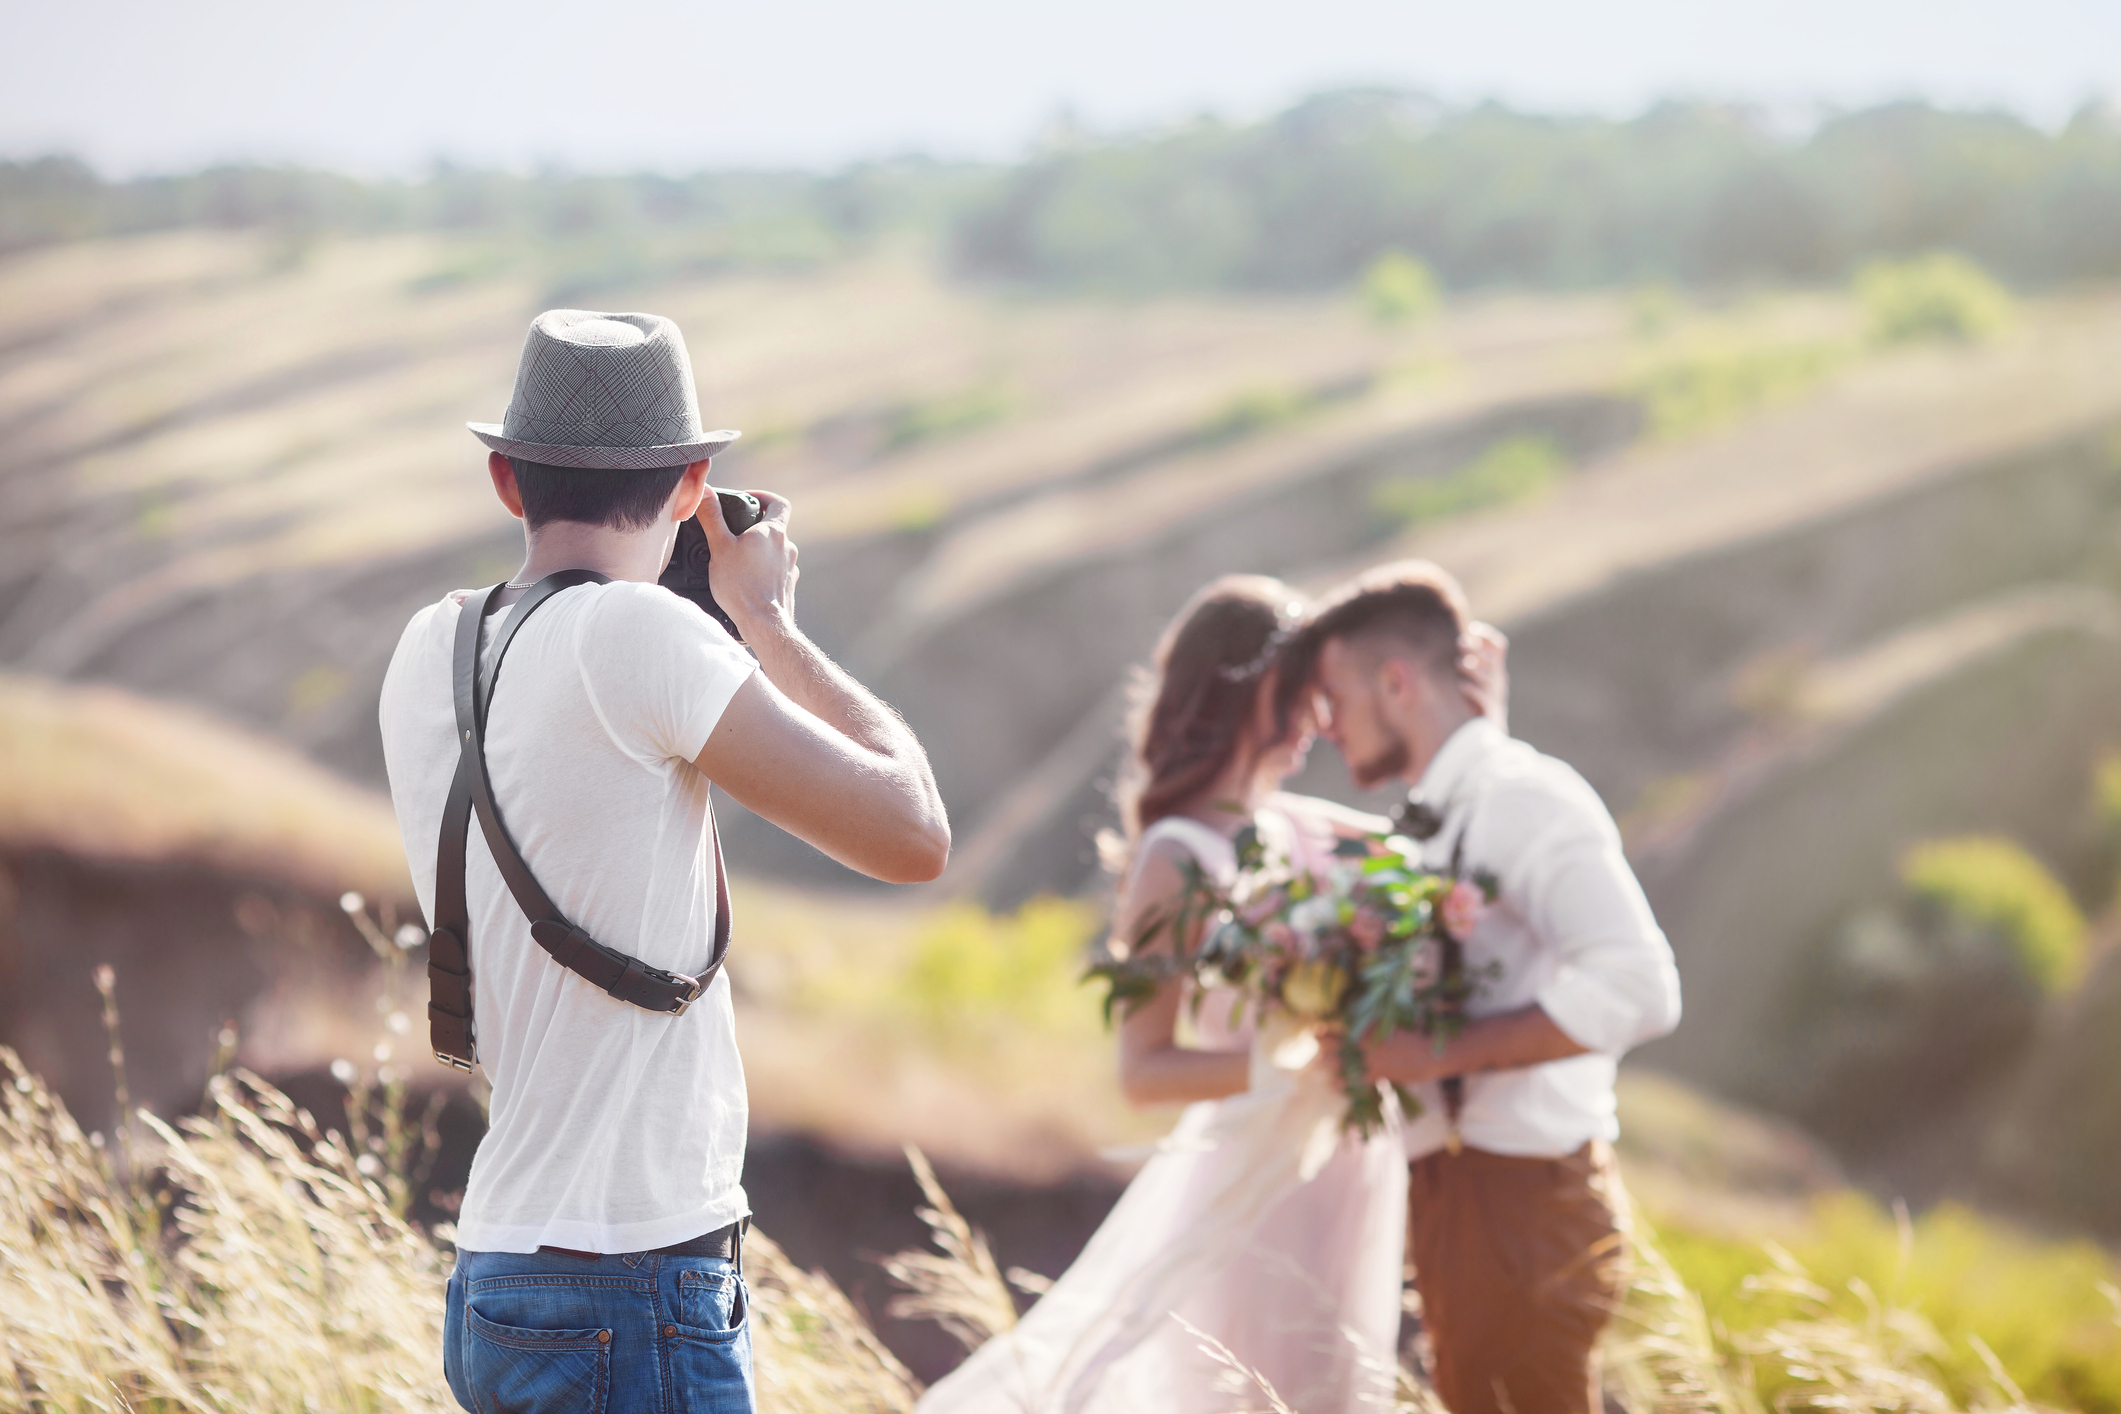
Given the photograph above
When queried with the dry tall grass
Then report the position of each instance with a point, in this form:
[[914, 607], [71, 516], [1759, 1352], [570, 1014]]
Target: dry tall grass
[[240, 1261], [244, 1260]]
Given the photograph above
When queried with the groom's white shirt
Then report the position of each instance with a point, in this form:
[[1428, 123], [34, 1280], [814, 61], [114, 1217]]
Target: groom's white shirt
[[1571, 931]]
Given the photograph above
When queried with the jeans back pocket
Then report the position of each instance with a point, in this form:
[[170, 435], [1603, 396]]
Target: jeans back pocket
[[536, 1371]]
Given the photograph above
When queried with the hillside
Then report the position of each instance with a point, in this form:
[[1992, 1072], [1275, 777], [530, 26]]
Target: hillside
[[1793, 594], [201, 863], [232, 471]]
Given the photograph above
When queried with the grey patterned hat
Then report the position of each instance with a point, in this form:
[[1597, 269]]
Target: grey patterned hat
[[606, 391]]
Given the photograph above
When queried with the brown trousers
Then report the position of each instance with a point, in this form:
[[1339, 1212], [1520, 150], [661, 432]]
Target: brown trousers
[[1520, 1263]]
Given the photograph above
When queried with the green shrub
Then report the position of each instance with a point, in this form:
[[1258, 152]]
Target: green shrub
[[1938, 297], [1398, 289], [2106, 794], [1995, 883], [1511, 470], [1699, 388]]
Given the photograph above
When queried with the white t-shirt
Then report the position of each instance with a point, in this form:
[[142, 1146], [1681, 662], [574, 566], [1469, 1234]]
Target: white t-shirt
[[612, 1128]]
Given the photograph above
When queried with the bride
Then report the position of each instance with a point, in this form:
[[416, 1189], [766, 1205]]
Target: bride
[[1257, 1222]]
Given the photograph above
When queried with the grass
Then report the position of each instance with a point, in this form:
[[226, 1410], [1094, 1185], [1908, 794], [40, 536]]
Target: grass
[[243, 1260], [1951, 1298], [881, 1024], [1255, 410], [1510, 471]]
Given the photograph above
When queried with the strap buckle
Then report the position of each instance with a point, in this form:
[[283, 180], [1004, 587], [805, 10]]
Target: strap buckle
[[693, 988], [453, 1062]]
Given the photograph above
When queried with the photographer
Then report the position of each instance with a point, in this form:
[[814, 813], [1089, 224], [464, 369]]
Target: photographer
[[557, 820]]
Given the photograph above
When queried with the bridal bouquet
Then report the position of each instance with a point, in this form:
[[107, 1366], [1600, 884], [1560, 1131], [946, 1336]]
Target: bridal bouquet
[[1357, 951]]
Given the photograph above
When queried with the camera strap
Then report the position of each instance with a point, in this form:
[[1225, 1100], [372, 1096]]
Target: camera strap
[[449, 1010]]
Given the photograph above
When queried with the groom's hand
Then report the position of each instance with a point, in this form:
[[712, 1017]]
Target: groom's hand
[[1527, 1036], [1484, 672], [1405, 1057]]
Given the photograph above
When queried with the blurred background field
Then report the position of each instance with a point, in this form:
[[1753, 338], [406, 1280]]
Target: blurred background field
[[1788, 454]]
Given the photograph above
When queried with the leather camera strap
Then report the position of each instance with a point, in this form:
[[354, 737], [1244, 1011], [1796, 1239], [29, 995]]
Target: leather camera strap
[[449, 1008]]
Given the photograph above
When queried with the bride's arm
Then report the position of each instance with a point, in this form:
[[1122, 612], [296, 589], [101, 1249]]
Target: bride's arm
[[1153, 1068], [1329, 816]]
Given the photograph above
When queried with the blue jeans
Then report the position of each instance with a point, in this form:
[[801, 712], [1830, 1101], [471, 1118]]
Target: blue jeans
[[538, 1332]]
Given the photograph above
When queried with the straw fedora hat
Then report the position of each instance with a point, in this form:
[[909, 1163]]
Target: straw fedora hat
[[610, 392]]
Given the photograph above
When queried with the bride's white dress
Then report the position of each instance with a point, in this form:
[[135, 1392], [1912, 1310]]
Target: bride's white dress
[[1257, 1222]]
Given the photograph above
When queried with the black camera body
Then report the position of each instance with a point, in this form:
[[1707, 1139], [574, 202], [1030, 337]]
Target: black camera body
[[686, 574]]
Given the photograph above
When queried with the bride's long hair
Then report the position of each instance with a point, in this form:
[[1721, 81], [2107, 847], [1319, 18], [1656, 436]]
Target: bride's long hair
[[1190, 709]]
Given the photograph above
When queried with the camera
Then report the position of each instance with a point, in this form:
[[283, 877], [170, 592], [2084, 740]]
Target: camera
[[686, 574]]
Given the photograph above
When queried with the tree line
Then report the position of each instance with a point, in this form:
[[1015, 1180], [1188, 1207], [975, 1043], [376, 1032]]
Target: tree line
[[1484, 196]]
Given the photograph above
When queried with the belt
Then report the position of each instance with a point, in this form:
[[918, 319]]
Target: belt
[[724, 1242]]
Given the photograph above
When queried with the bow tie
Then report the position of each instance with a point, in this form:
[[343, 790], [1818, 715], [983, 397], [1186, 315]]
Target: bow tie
[[1417, 820]]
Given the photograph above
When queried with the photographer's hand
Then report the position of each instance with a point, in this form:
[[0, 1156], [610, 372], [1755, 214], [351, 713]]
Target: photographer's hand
[[802, 743], [753, 575]]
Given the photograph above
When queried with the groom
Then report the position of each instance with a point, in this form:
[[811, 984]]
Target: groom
[[1515, 1223]]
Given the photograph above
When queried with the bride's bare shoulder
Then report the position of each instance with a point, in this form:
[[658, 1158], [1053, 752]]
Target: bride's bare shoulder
[[1330, 814]]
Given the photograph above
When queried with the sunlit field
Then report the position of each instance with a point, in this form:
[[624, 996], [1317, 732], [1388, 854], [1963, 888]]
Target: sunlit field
[[244, 1260]]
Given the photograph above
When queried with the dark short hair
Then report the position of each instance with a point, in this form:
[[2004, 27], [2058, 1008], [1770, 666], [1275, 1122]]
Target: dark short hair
[[621, 500], [1414, 603]]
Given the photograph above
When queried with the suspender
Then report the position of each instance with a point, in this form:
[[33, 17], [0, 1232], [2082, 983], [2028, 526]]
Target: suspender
[[471, 792], [1452, 973], [1424, 822]]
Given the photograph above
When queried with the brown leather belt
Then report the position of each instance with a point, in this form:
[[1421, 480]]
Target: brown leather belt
[[724, 1242]]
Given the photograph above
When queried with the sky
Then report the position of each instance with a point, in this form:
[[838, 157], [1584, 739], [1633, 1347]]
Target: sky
[[389, 86]]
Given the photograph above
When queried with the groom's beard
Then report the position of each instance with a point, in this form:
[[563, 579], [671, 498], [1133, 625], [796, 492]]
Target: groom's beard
[[1388, 761]]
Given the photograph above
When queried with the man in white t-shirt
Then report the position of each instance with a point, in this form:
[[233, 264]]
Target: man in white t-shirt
[[599, 1260], [1514, 1220]]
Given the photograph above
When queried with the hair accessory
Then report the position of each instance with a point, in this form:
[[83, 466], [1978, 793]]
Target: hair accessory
[[1288, 618]]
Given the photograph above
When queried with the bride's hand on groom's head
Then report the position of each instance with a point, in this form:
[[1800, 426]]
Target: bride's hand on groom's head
[[1484, 669]]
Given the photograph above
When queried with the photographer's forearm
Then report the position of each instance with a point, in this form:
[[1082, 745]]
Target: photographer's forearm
[[805, 745], [813, 682]]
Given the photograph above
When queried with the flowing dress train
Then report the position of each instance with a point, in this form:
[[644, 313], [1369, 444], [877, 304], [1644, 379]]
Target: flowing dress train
[[1256, 1222]]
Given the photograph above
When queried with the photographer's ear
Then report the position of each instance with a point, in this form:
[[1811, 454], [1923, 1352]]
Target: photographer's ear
[[691, 490], [503, 473]]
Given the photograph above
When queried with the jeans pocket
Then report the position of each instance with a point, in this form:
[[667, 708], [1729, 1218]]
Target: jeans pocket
[[453, 1340], [707, 1301], [522, 1371], [710, 1348]]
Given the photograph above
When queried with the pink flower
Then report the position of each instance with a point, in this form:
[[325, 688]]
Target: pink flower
[[1463, 908], [1279, 935], [1368, 929]]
